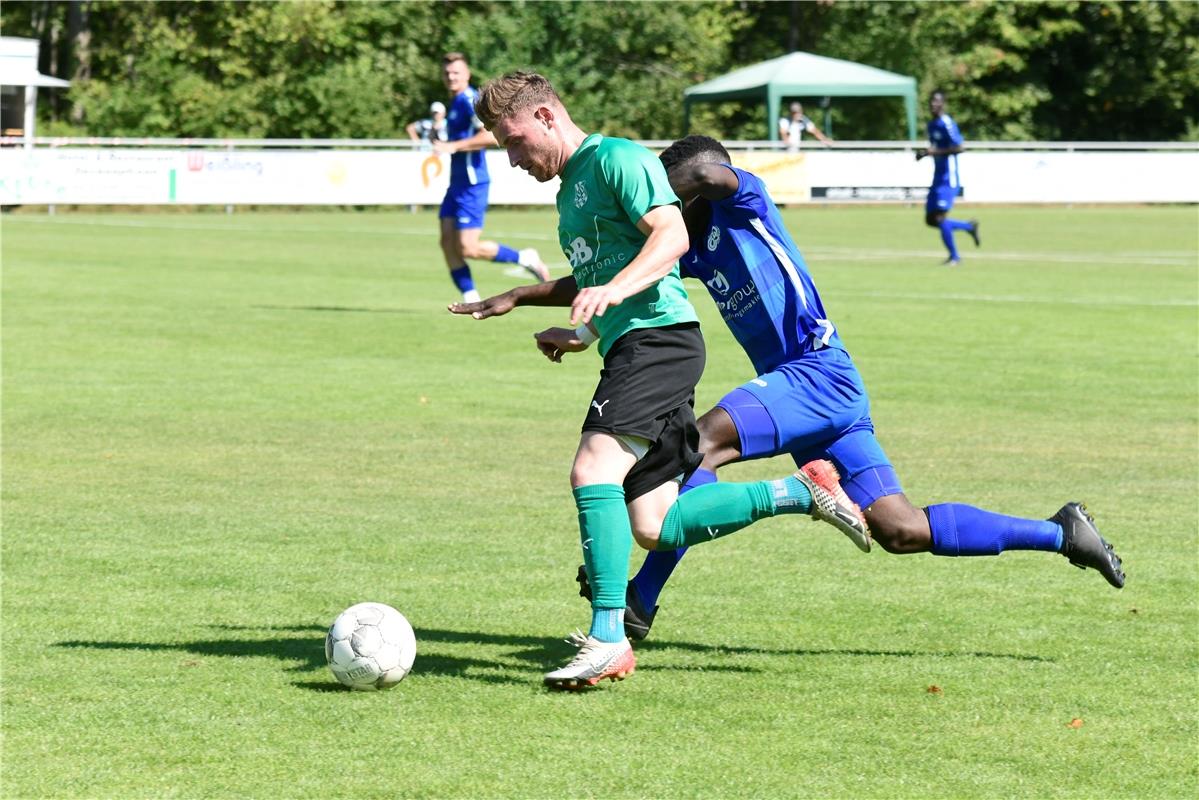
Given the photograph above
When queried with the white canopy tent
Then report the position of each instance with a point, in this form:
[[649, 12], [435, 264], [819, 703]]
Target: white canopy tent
[[19, 82]]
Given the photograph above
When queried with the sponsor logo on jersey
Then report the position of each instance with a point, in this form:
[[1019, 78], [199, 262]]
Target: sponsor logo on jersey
[[580, 194], [579, 253], [733, 304], [719, 283]]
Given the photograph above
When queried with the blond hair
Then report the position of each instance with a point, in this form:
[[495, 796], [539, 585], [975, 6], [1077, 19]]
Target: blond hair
[[508, 94]]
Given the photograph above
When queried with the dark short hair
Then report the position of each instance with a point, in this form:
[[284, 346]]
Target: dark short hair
[[936, 92], [452, 56], [694, 147]]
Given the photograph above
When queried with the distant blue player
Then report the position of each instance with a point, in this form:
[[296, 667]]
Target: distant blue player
[[465, 202], [945, 142], [808, 400]]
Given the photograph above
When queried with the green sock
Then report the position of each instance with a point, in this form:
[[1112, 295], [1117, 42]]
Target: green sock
[[717, 509], [607, 541]]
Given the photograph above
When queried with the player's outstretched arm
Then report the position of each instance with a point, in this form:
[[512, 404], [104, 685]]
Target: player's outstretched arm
[[551, 293]]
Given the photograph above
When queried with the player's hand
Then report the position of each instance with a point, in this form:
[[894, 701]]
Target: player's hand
[[554, 342], [443, 147], [921, 153], [491, 307], [593, 302]]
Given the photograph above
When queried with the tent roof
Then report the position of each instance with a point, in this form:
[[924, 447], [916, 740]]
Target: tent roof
[[805, 74], [18, 64]]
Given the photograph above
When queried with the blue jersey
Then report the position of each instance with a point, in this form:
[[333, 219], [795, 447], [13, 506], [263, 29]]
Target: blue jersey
[[466, 169], [760, 283], [943, 132]]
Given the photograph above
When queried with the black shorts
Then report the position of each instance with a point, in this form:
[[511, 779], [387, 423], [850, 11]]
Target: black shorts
[[647, 389]]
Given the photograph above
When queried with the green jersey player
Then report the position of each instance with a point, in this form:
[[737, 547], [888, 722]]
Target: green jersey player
[[622, 229]]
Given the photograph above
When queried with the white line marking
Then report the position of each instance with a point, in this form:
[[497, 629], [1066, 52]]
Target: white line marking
[[989, 298], [1164, 258], [251, 227], [1173, 258]]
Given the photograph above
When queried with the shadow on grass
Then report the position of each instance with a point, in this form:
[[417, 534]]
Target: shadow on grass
[[350, 309], [304, 646]]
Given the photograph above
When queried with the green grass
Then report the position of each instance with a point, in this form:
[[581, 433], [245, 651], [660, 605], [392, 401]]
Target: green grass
[[219, 431]]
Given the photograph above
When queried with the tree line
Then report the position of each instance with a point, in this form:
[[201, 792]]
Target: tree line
[[1115, 71]]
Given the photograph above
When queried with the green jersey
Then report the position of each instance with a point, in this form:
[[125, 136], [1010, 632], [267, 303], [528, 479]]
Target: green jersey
[[607, 186]]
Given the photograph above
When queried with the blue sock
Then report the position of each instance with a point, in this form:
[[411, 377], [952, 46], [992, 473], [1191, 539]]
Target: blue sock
[[947, 237], [507, 255], [607, 624], [462, 279], [960, 530], [658, 565]]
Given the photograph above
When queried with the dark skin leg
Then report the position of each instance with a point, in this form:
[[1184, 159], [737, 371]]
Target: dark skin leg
[[934, 220], [896, 524]]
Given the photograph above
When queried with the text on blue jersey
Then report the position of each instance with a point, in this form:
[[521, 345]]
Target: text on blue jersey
[[761, 285]]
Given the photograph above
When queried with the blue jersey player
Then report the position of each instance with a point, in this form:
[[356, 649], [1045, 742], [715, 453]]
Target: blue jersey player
[[945, 142], [465, 202], [808, 400]]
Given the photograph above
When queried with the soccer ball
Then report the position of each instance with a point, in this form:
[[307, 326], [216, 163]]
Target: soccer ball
[[370, 646]]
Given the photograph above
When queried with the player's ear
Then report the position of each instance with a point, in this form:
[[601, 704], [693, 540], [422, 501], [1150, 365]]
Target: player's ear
[[544, 115]]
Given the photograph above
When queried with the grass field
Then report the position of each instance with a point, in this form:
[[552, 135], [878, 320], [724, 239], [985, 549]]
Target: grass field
[[219, 431]]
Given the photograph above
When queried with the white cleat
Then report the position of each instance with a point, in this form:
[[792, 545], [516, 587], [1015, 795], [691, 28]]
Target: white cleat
[[830, 503], [595, 661], [531, 261]]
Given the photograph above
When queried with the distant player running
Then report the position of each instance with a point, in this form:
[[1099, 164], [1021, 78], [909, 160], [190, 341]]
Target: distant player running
[[945, 142], [808, 400], [465, 202], [621, 227]]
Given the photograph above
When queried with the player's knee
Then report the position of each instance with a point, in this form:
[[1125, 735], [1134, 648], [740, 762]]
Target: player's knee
[[646, 539], [581, 475], [931, 221], [473, 250], [718, 439], [899, 529]]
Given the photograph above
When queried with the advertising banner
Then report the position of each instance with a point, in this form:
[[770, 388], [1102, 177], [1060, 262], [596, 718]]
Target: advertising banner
[[137, 176], [247, 177]]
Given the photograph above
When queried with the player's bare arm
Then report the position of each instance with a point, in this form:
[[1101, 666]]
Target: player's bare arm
[[552, 293], [480, 141], [666, 242], [939, 151]]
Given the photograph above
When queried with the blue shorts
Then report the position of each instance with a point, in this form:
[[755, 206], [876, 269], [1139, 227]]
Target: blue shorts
[[815, 407], [466, 204], [940, 199]]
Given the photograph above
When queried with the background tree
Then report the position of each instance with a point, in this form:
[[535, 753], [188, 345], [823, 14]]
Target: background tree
[[325, 69]]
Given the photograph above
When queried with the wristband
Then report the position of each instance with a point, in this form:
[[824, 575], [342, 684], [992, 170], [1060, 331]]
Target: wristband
[[585, 335]]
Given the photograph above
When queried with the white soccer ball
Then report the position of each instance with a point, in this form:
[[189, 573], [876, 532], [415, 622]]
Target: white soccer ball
[[370, 646]]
